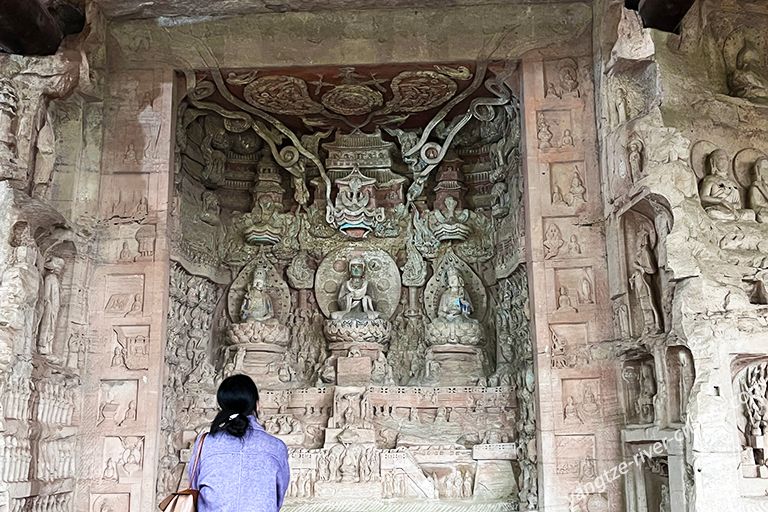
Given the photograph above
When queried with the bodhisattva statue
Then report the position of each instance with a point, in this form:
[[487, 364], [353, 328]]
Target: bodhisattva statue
[[257, 305], [758, 191], [257, 316], [454, 302], [720, 195], [354, 300], [453, 324]]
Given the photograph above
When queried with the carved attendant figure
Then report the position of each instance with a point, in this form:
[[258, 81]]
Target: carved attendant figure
[[685, 370], [564, 301], [621, 106], [635, 158], [664, 505], [353, 294], [51, 304], [567, 138], [758, 192], [544, 134], [643, 267], [645, 409], [570, 412], [553, 241], [720, 195], [9, 102]]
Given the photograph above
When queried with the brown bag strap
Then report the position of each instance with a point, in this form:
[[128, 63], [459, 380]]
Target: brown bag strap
[[196, 462]]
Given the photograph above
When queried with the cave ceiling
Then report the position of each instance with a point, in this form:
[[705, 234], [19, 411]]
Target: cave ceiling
[[350, 98]]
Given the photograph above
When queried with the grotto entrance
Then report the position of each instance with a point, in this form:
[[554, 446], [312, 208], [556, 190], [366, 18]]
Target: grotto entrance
[[351, 237]]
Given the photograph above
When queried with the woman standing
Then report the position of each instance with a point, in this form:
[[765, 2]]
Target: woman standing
[[242, 468]]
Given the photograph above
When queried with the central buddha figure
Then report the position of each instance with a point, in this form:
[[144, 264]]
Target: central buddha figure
[[453, 324], [357, 319], [354, 300]]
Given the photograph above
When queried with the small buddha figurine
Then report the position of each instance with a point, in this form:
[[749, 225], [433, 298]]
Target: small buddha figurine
[[557, 196], [567, 138], [257, 305], [574, 247], [758, 191], [353, 298], [720, 195], [455, 305], [564, 301], [568, 81], [570, 412], [635, 158]]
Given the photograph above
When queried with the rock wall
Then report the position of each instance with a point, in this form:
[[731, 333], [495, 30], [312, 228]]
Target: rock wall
[[682, 120], [49, 166]]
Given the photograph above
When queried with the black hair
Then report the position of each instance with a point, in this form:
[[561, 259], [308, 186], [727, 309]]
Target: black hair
[[237, 397]]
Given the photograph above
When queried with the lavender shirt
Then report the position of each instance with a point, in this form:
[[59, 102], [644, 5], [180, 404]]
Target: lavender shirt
[[242, 475]]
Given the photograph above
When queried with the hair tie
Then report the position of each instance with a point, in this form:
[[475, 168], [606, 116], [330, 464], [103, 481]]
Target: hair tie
[[231, 417]]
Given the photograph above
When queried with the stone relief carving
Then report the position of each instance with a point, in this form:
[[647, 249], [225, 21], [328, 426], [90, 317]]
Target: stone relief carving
[[9, 103], [364, 376], [747, 74], [643, 274], [721, 196], [51, 304], [640, 388], [682, 374], [635, 160]]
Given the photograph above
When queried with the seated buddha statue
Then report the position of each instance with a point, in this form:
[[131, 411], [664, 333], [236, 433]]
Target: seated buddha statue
[[453, 324], [354, 300], [720, 195]]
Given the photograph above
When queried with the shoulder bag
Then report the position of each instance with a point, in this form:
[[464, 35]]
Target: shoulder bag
[[185, 500]]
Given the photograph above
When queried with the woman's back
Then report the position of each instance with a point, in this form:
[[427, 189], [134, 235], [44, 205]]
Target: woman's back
[[248, 474]]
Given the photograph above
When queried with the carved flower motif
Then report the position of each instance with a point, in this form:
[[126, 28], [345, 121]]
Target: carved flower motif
[[352, 100], [281, 95]]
